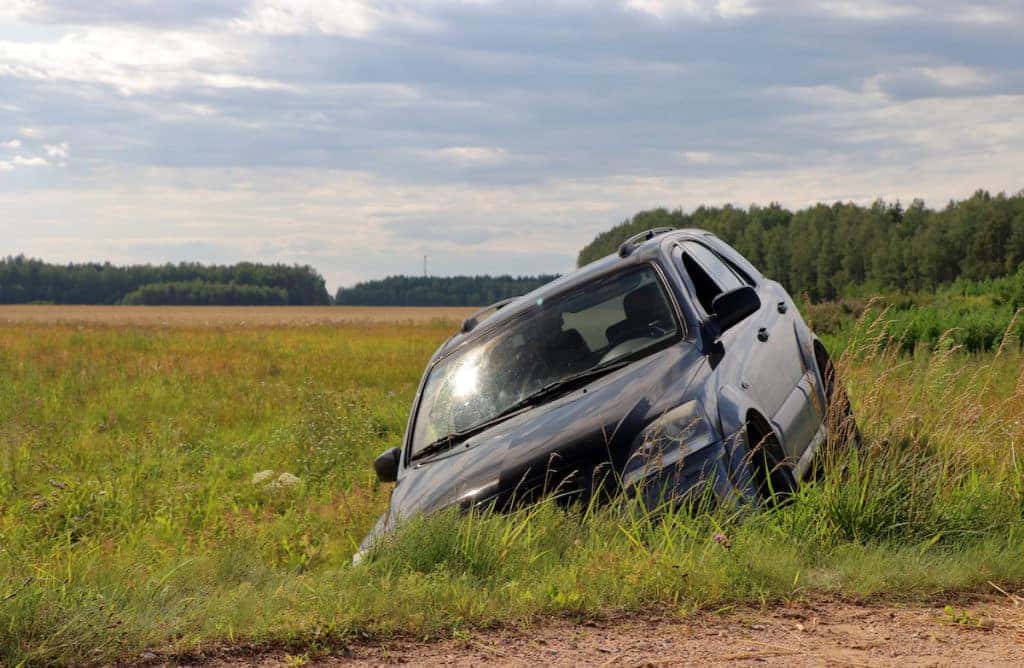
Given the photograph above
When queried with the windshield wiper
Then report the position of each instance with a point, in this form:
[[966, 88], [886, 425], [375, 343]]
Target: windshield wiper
[[456, 437], [574, 379]]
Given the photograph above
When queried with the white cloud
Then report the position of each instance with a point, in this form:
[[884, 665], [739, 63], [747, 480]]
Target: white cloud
[[870, 10], [917, 132], [956, 76], [663, 9], [988, 15], [22, 161], [731, 8], [130, 60], [56, 155], [58, 151], [14, 10], [352, 18], [32, 161], [473, 155], [939, 80], [698, 157], [976, 13]]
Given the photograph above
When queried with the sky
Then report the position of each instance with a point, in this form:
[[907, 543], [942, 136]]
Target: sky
[[494, 137]]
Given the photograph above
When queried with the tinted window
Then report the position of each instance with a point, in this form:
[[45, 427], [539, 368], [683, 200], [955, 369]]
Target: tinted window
[[719, 271], [744, 274]]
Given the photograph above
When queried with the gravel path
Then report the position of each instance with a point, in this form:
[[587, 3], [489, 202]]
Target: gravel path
[[986, 632]]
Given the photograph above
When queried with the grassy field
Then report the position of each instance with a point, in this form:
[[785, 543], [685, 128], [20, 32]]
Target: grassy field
[[136, 511], [222, 316]]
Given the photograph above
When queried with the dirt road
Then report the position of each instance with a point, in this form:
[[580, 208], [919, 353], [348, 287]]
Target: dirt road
[[986, 632]]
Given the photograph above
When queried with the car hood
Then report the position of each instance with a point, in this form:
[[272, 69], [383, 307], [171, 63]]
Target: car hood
[[591, 427]]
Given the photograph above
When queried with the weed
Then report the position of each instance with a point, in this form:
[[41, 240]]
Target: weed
[[966, 618]]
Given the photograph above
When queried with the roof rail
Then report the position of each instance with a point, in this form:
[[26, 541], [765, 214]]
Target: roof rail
[[469, 323], [630, 244]]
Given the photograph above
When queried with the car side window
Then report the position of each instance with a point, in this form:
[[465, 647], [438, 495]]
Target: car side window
[[710, 275]]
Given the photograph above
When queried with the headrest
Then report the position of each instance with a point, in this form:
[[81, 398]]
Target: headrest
[[640, 302]]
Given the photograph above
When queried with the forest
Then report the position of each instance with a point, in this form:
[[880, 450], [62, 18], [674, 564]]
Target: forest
[[24, 280], [845, 249], [438, 290], [824, 251]]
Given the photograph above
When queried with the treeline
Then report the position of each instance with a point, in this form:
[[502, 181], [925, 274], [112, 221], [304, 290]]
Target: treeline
[[24, 280], [842, 249], [438, 291], [201, 293]]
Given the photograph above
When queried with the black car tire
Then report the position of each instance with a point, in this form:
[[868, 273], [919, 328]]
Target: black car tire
[[771, 473]]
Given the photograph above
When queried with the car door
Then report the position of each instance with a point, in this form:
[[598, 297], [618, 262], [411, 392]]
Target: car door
[[763, 348]]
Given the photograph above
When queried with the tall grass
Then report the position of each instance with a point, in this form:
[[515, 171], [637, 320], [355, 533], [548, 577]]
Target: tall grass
[[129, 519], [976, 315]]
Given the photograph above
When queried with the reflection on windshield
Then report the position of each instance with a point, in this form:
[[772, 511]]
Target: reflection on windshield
[[590, 326], [466, 379]]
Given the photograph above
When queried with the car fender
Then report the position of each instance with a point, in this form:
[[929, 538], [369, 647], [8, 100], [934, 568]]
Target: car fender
[[733, 407]]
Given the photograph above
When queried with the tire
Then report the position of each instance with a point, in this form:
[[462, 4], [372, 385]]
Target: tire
[[771, 475]]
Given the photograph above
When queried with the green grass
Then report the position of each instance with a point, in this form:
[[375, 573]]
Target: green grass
[[976, 315], [129, 519]]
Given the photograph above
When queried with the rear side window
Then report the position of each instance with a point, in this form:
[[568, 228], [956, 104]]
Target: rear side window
[[711, 276], [743, 274]]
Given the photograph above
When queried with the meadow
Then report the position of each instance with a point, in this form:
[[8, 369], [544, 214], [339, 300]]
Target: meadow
[[240, 316], [144, 505]]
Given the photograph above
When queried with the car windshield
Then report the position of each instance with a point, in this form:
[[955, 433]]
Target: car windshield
[[597, 325]]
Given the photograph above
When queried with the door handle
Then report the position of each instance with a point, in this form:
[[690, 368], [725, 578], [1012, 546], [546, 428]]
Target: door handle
[[782, 307], [762, 334]]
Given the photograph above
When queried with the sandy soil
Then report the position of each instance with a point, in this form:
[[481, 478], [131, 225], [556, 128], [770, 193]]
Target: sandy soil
[[987, 632], [199, 316]]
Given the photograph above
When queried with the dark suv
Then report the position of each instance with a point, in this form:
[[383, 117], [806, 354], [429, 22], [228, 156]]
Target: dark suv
[[670, 366]]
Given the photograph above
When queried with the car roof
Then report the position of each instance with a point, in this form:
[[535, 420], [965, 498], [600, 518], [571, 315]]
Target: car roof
[[644, 251]]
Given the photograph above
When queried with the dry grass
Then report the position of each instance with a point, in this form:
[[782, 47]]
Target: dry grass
[[221, 316]]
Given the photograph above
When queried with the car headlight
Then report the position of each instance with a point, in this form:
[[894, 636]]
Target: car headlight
[[667, 441]]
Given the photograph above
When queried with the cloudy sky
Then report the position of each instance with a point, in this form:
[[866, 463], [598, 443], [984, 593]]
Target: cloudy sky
[[357, 135]]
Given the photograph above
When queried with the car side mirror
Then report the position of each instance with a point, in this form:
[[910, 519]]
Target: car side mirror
[[386, 465], [731, 308]]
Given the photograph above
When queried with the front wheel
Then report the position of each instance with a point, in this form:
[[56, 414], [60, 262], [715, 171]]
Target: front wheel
[[772, 475]]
